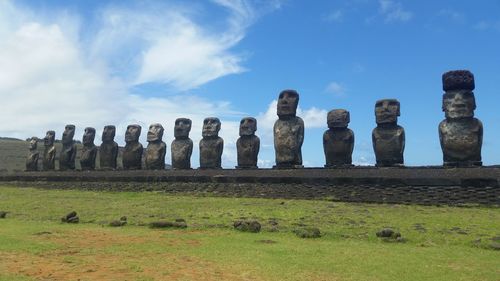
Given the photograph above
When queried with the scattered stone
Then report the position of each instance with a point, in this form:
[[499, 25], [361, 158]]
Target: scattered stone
[[71, 218], [118, 223], [310, 232], [247, 225], [167, 224], [3, 214], [388, 233]]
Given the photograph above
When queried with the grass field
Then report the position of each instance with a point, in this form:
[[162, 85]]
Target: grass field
[[442, 243]]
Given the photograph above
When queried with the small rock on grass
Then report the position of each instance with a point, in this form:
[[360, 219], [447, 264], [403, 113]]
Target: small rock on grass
[[118, 223], [167, 224], [389, 235], [3, 214], [71, 218], [247, 225], [310, 232]]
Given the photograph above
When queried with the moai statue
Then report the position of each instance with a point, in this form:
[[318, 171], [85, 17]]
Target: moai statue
[[108, 151], [388, 137], [248, 144], [132, 153], [182, 145], [89, 150], [33, 155], [156, 149], [338, 140], [67, 156], [288, 132], [49, 153], [211, 145], [460, 134]]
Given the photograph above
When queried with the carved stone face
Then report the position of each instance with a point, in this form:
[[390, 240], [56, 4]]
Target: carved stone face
[[459, 104], [248, 126], [108, 134], [211, 127], [88, 135], [387, 111], [182, 128], [33, 143], [155, 132], [132, 134], [338, 118], [68, 134], [287, 103], [49, 138]]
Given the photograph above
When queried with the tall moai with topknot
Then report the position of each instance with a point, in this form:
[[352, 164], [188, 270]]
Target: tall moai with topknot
[[288, 132], [388, 137], [460, 134], [338, 140]]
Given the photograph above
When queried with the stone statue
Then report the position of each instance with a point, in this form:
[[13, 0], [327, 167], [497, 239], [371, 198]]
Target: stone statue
[[108, 151], [182, 145], [288, 132], [89, 150], [49, 153], [388, 137], [338, 140], [248, 144], [211, 145], [67, 156], [33, 155], [156, 149], [460, 134], [132, 153]]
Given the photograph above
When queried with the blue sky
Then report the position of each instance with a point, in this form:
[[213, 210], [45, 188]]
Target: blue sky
[[93, 63]]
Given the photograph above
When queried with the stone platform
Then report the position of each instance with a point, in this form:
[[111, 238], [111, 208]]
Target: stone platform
[[408, 185]]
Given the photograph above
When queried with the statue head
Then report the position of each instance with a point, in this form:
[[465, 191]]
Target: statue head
[[182, 127], [458, 99], [133, 132], [33, 143], [338, 118], [88, 136], [211, 127], [387, 111], [49, 138], [288, 101], [68, 134], [155, 132], [108, 134], [248, 126]]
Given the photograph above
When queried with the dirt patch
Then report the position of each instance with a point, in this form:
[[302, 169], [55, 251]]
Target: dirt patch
[[99, 255]]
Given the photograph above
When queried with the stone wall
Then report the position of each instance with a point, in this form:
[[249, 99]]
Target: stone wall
[[417, 185]]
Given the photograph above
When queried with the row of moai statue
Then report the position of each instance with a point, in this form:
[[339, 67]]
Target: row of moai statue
[[460, 136]]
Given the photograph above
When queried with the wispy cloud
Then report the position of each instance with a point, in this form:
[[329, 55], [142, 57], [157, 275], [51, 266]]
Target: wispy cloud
[[336, 89], [452, 15], [488, 25], [393, 11], [334, 16]]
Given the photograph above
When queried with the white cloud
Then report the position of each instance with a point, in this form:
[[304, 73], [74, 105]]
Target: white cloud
[[393, 11], [52, 76], [335, 16], [336, 89]]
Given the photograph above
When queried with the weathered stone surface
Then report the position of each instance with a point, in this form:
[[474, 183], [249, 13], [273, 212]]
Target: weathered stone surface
[[388, 233], [71, 218], [117, 223], [388, 137], [49, 153], [3, 214], [89, 150], [67, 156], [33, 155], [248, 144], [108, 151], [211, 145], [288, 131], [182, 145], [460, 134], [247, 226], [156, 149], [309, 232], [167, 224], [338, 140], [132, 153]]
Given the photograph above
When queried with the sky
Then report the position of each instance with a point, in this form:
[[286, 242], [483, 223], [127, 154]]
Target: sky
[[92, 63]]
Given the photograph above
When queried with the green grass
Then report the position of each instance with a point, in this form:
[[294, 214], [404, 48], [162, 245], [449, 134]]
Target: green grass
[[442, 243]]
